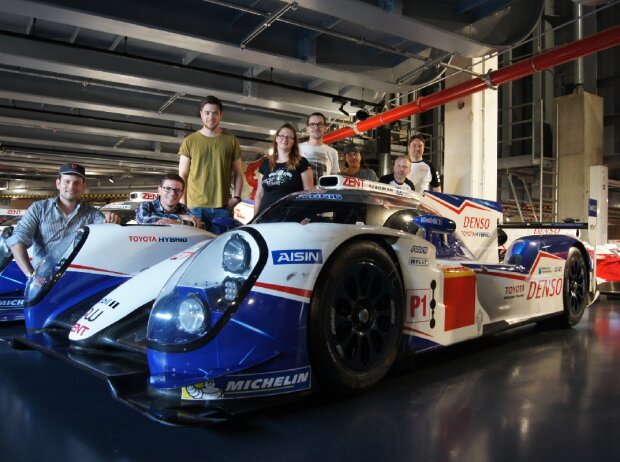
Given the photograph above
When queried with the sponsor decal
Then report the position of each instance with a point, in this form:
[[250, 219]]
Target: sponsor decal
[[475, 233], [546, 231], [203, 391], [333, 197], [353, 182], [79, 329], [418, 261], [516, 291], [182, 255], [477, 223], [156, 239], [545, 288], [148, 196], [430, 220], [109, 302], [419, 249], [12, 302], [547, 269], [246, 385], [92, 314], [297, 256], [15, 212], [592, 206]]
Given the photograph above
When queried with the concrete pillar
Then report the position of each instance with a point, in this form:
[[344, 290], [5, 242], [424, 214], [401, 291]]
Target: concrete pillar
[[470, 159], [599, 179], [579, 144]]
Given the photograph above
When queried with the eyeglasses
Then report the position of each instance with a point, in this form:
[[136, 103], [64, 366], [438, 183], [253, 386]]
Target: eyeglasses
[[168, 189], [314, 125], [284, 137]]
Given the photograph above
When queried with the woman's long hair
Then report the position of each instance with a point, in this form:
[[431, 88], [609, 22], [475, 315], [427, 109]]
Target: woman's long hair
[[293, 157]]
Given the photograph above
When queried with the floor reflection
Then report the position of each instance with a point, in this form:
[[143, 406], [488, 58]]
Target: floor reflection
[[532, 394]]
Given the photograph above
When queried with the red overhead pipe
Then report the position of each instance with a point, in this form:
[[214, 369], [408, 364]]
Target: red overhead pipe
[[551, 58]]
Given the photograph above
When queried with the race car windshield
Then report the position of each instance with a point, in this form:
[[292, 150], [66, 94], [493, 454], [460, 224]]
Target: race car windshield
[[341, 207], [315, 212]]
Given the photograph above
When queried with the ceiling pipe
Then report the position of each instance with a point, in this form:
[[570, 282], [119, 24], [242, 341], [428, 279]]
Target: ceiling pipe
[[551, 58]]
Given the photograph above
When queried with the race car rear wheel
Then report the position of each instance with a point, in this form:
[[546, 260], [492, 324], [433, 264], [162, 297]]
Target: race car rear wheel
[[575, 289], [356, 318]]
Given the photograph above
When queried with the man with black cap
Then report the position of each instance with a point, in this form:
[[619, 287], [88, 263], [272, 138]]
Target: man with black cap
[[48, 222]]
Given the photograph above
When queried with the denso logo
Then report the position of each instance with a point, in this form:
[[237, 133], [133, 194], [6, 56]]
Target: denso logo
[[546, 231], [298, 256], [475, 222], [545, 288], [14, 212]]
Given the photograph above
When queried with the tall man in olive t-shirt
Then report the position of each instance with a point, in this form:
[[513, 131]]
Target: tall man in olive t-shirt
[[208, 160]]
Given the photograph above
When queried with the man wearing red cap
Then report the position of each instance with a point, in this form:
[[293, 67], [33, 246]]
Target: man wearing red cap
[[48, 222]]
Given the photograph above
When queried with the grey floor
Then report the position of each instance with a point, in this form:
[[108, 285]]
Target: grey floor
[[532, 394]]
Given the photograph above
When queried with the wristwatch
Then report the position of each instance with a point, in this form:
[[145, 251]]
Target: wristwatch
[[237, 197]]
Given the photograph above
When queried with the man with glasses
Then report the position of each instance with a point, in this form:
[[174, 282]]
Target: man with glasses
[[167, 209], [322, 159], [209, 161]]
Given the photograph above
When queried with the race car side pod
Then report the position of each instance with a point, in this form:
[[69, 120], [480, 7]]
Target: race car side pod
[[540, 62], [554, 228]]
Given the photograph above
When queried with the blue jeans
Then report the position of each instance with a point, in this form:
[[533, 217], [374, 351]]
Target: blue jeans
[[207, 214]]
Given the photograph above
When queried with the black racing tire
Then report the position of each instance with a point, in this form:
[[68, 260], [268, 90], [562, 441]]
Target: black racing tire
[[356, 318], [575, 289]]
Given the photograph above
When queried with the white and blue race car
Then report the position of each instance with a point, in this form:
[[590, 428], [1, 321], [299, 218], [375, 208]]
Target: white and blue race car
[[85, 267], [323, 289]]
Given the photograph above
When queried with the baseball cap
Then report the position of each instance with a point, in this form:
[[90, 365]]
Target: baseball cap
[[351, 147], [72, 169]]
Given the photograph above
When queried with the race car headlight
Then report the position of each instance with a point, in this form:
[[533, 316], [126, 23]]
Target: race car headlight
[[236, 254], [53, 267], [204, 293], [193, 315]]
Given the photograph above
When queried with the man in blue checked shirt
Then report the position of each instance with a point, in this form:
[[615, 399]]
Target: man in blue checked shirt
[[48, 222], [167, 208]]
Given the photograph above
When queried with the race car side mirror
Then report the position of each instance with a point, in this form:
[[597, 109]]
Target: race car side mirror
[[434, 224]]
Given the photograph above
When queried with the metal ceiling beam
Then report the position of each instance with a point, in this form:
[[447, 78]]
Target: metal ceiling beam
[[88, 64], [154, 33], [80, 126], [379, 20], [93, 105], [134, 154]]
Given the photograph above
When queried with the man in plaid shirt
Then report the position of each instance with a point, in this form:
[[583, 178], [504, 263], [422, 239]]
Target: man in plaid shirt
[[49, 222], [167, 208]]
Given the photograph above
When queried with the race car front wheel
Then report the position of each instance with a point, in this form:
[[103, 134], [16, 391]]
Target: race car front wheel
[[575, 290], [356, 318]]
